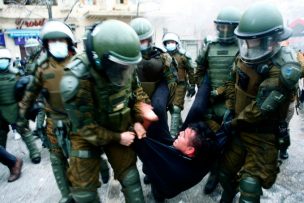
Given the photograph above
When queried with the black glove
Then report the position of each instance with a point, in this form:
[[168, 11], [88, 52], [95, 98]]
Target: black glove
[[191, 91]]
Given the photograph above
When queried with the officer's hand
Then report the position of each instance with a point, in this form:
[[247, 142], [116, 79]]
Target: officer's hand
[[127, 138], [147, 114], [139, 130], [191, 91]]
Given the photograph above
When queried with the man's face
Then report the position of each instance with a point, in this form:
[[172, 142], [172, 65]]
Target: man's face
[[183, 142]]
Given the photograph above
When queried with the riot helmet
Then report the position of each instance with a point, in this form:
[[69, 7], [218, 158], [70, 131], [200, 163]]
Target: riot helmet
[[226, 21], [260, 32], [113, 48], [58, 39], [32, 46], [144, 30], [5, 59], [171, 42]]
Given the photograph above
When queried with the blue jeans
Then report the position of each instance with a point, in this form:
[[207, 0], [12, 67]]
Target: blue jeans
[[7, 158]]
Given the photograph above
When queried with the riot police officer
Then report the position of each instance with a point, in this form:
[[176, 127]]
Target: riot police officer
[[33, 49], [9, 105], [215, 61], [185, 71], [100, 90], [263, 82], [58, 41], [156, 73]]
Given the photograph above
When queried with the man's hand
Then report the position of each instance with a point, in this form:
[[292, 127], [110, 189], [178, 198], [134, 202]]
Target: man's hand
[[127, 138], [147, 114], [139, 130], [191, 91]]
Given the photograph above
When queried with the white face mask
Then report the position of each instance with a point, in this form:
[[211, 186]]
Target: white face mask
[[4, 63], [58, 49], [144, 46], [171, 46]]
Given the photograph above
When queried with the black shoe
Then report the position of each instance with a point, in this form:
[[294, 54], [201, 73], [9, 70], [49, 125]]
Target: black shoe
[[147, 180], [284, 154], [157, 196], [211, 184], [15, 171]]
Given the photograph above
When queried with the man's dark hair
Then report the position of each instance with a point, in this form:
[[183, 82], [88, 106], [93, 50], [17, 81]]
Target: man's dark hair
[[204, 140]]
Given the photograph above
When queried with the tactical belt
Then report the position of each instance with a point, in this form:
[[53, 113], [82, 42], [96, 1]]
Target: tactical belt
[[85, 154], [258, 129]]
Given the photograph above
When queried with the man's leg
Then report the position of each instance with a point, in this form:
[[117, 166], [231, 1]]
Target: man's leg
[[83, 171], [59, 164], [159, 130], [199, 106], [123, 161]]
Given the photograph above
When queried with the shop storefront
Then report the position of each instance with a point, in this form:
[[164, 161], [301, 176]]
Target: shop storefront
[[20, 36]]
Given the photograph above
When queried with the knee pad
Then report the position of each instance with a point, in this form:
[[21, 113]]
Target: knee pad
[[85, 196], [250, 189]]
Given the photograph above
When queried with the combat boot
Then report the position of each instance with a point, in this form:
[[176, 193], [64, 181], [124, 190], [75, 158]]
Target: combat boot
[[29, 141], [175, 120], [284, 154], [131, 187], [59, 166], [211, 184]]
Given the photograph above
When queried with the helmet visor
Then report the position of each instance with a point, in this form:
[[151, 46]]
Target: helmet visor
[[257, 49], [118, 74], [30, 50], [225, 31]]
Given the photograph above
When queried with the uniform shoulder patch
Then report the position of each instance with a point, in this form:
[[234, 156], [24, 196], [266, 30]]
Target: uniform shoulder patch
[[167, 59], [79, 66]]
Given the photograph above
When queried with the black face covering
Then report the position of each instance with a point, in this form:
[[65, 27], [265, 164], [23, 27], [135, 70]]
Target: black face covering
[[118, 74]]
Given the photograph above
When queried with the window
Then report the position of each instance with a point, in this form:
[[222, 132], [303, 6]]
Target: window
[[88, 2], [121, 1], [30, 2]]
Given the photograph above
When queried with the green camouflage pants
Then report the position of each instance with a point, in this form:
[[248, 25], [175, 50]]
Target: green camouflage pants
[[252, 155], [179, 97], [84, 172]]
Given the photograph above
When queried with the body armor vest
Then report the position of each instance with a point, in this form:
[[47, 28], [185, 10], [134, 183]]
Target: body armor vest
[[247, 84], [220, 60], [181, 68], [7, 88], [150, 72], [52, 75], [8, 102], [112, 102]]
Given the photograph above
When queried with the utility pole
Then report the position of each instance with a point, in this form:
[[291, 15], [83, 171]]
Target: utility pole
[[49, 4]]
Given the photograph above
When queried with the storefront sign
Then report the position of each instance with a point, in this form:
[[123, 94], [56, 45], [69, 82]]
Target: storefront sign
[[2, 39], [29, 23]]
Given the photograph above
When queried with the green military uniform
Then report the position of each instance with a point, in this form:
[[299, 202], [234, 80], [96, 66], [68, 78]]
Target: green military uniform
[[185, 72], [216, 59], [9, 108], [155, 66], [260, 91], [47, 79], [101, 109]]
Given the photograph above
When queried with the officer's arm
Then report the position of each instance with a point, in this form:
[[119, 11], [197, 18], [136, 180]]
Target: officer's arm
[[229, 89], [138, 95], [270, 97], [78, 99], [31, 94], [170, 74], [190, 70]]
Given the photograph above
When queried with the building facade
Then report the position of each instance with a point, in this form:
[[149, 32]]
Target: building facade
[[20, 21]]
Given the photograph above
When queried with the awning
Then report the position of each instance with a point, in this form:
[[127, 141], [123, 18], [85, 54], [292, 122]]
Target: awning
[[22, 32]]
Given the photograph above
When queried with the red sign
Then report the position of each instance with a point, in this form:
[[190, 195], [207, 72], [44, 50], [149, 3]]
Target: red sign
[[30, 23]]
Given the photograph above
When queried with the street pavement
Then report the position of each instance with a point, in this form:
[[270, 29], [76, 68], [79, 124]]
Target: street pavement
[[37, 184]]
